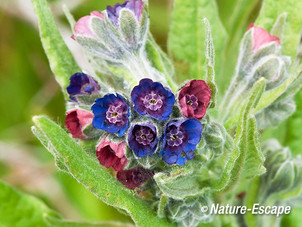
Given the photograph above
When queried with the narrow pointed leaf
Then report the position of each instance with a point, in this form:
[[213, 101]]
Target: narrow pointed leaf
[[60, 58]]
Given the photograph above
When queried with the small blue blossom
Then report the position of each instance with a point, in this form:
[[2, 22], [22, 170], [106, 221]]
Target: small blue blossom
[[142, 139], [180, 140], [82, 84], [153, 98], [136, 6], [111, 114]]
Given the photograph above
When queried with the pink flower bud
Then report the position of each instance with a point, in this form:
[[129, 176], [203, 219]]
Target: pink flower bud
[[111, 154], [194, 99], [82, 27], [76, 120], [261, 37]]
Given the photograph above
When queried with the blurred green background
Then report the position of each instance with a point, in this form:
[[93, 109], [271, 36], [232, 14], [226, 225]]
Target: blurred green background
[[28, 88]]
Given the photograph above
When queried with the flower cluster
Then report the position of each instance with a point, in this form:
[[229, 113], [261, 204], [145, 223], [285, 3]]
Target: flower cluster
[[151, 122]]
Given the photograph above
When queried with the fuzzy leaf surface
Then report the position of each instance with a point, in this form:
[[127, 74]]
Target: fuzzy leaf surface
[[187, 37], [93, 176], [60, 58]]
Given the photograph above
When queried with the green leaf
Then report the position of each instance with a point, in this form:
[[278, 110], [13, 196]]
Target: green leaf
[[92, 175], [210, 63], [270, 11], [163, 202], [275, 114], [235, 16], [287, 89], [55, 222], [60, 58], [18, 209], [187, 37], [247, 159], [179, 184]]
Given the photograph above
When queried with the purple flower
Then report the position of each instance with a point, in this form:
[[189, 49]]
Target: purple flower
[[153, 99], [142, 139], [111, 114], [194, 99], [134, 178], [136, 6], [82, 84], [180, 140]]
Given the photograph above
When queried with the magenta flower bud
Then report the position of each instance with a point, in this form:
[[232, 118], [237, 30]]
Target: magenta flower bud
[[261, 37], [194, 99], [111, 154], [134, 178], [76, 121], [83, 25]]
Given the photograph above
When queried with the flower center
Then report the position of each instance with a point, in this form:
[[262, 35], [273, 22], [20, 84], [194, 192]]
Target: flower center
[[153, 101], [86, 89], [115, 113], [144, 135], [192, 101], [175, 137]]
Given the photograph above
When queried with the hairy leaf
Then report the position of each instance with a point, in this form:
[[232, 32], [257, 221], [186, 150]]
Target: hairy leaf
[[249, 160], [187, 36], [270, 11], [60, 58], [93, 176]]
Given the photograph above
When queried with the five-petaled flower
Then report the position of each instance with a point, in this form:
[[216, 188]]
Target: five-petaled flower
[[82, 84], [134, 178], [111, 114], [152, 98], [111, 154], [135, 6], [180, 140], [76, 120], [262, 37], [194, 99], [142, 139]]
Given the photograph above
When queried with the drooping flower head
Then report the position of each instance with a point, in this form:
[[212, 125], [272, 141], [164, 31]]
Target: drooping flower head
[[180, 140], [135, 6], [111, 154], [261, 37], [152, 98], [142, 139], [76, 120], [194, 99], [83, 25], [82, 84], [134, 178], [111, 114]]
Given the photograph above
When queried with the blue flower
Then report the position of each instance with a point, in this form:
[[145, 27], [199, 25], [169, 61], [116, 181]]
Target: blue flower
[[153, 99], [111, 114], [180, 140], [136, 6], [82, 84], [142, 139]]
